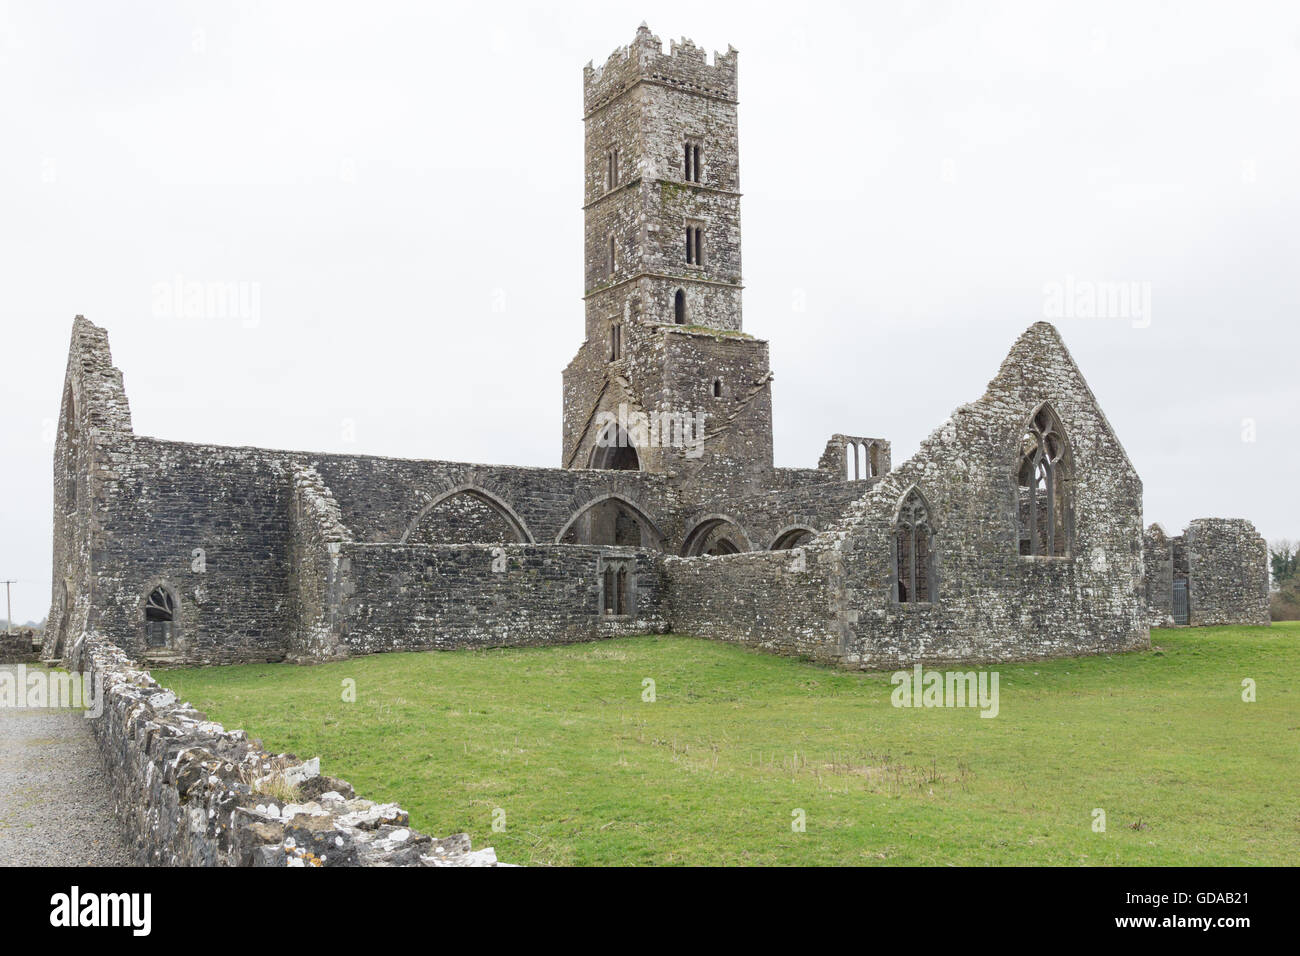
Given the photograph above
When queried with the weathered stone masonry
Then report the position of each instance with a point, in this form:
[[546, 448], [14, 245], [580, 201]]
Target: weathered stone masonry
[[1014, 532], [1215, 572], [191, 793]]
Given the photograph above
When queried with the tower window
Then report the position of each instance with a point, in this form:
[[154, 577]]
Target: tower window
[[611, 167], [615, 342], [695, 245], [679, 307], [613, 255], [693, 168], [717, 388]]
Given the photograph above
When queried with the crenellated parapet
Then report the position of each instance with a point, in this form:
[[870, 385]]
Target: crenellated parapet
[[685, 66]]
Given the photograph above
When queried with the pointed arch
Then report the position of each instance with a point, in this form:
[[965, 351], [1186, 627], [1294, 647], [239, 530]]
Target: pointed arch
[[792, 536], [606, 518], [614, 450], [1044, 477], [503, 510], [913, 546], [715, 534], [679, 307], [160, 615]]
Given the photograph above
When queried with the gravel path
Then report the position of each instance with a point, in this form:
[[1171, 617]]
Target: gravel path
[[54, 805]]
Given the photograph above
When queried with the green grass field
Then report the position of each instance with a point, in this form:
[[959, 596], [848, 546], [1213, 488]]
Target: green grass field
[[711, 772]]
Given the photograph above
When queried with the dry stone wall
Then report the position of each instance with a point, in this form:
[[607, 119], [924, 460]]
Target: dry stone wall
[[191, 793]]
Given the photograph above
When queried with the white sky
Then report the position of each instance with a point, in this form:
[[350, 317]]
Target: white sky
[[403, 183]]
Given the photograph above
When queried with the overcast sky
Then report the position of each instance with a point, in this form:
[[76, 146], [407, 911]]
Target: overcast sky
[[399, 185]]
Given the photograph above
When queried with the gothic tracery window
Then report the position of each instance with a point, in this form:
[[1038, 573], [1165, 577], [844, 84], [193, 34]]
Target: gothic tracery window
[[1045, 519], [914, 551]]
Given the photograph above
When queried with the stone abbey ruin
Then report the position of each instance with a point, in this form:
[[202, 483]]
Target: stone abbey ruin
[[1015, 531]]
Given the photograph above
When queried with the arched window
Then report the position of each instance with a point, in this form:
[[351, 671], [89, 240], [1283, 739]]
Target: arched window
[[679, 307], [1043, 476], [617, 583], [914, 551], [159, 618], [717, 388]]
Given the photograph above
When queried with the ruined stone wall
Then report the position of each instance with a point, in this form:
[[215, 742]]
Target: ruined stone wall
[[994, 603], [188, 792], [317, 534], [20, 647], [212, 525], [1158, 557], [1228, 572], [94, 422], [766, 516], [381, 498], [443, 597], [785, 602], [1225, 564]]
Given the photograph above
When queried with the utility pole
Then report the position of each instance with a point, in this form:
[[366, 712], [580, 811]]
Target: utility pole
[[9, 609]]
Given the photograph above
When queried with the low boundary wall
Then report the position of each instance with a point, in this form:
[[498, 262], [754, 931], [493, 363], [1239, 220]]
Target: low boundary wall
[[188, 792]]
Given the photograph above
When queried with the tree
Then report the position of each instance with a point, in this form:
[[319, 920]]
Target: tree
[[1283, 557]]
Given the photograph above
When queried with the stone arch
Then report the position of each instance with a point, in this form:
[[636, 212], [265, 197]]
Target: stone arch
[[159, 608], [614, 450], [581, 524], [503, 510], [792, 536], [679, 307], [715, 534]]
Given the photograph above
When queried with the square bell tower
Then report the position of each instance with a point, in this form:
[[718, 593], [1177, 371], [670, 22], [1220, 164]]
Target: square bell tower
[[662, 270]]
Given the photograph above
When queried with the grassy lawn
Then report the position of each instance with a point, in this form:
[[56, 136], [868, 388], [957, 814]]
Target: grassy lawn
[[711, 771]]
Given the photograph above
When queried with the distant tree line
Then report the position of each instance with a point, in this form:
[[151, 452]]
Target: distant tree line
[[1284, 562]]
